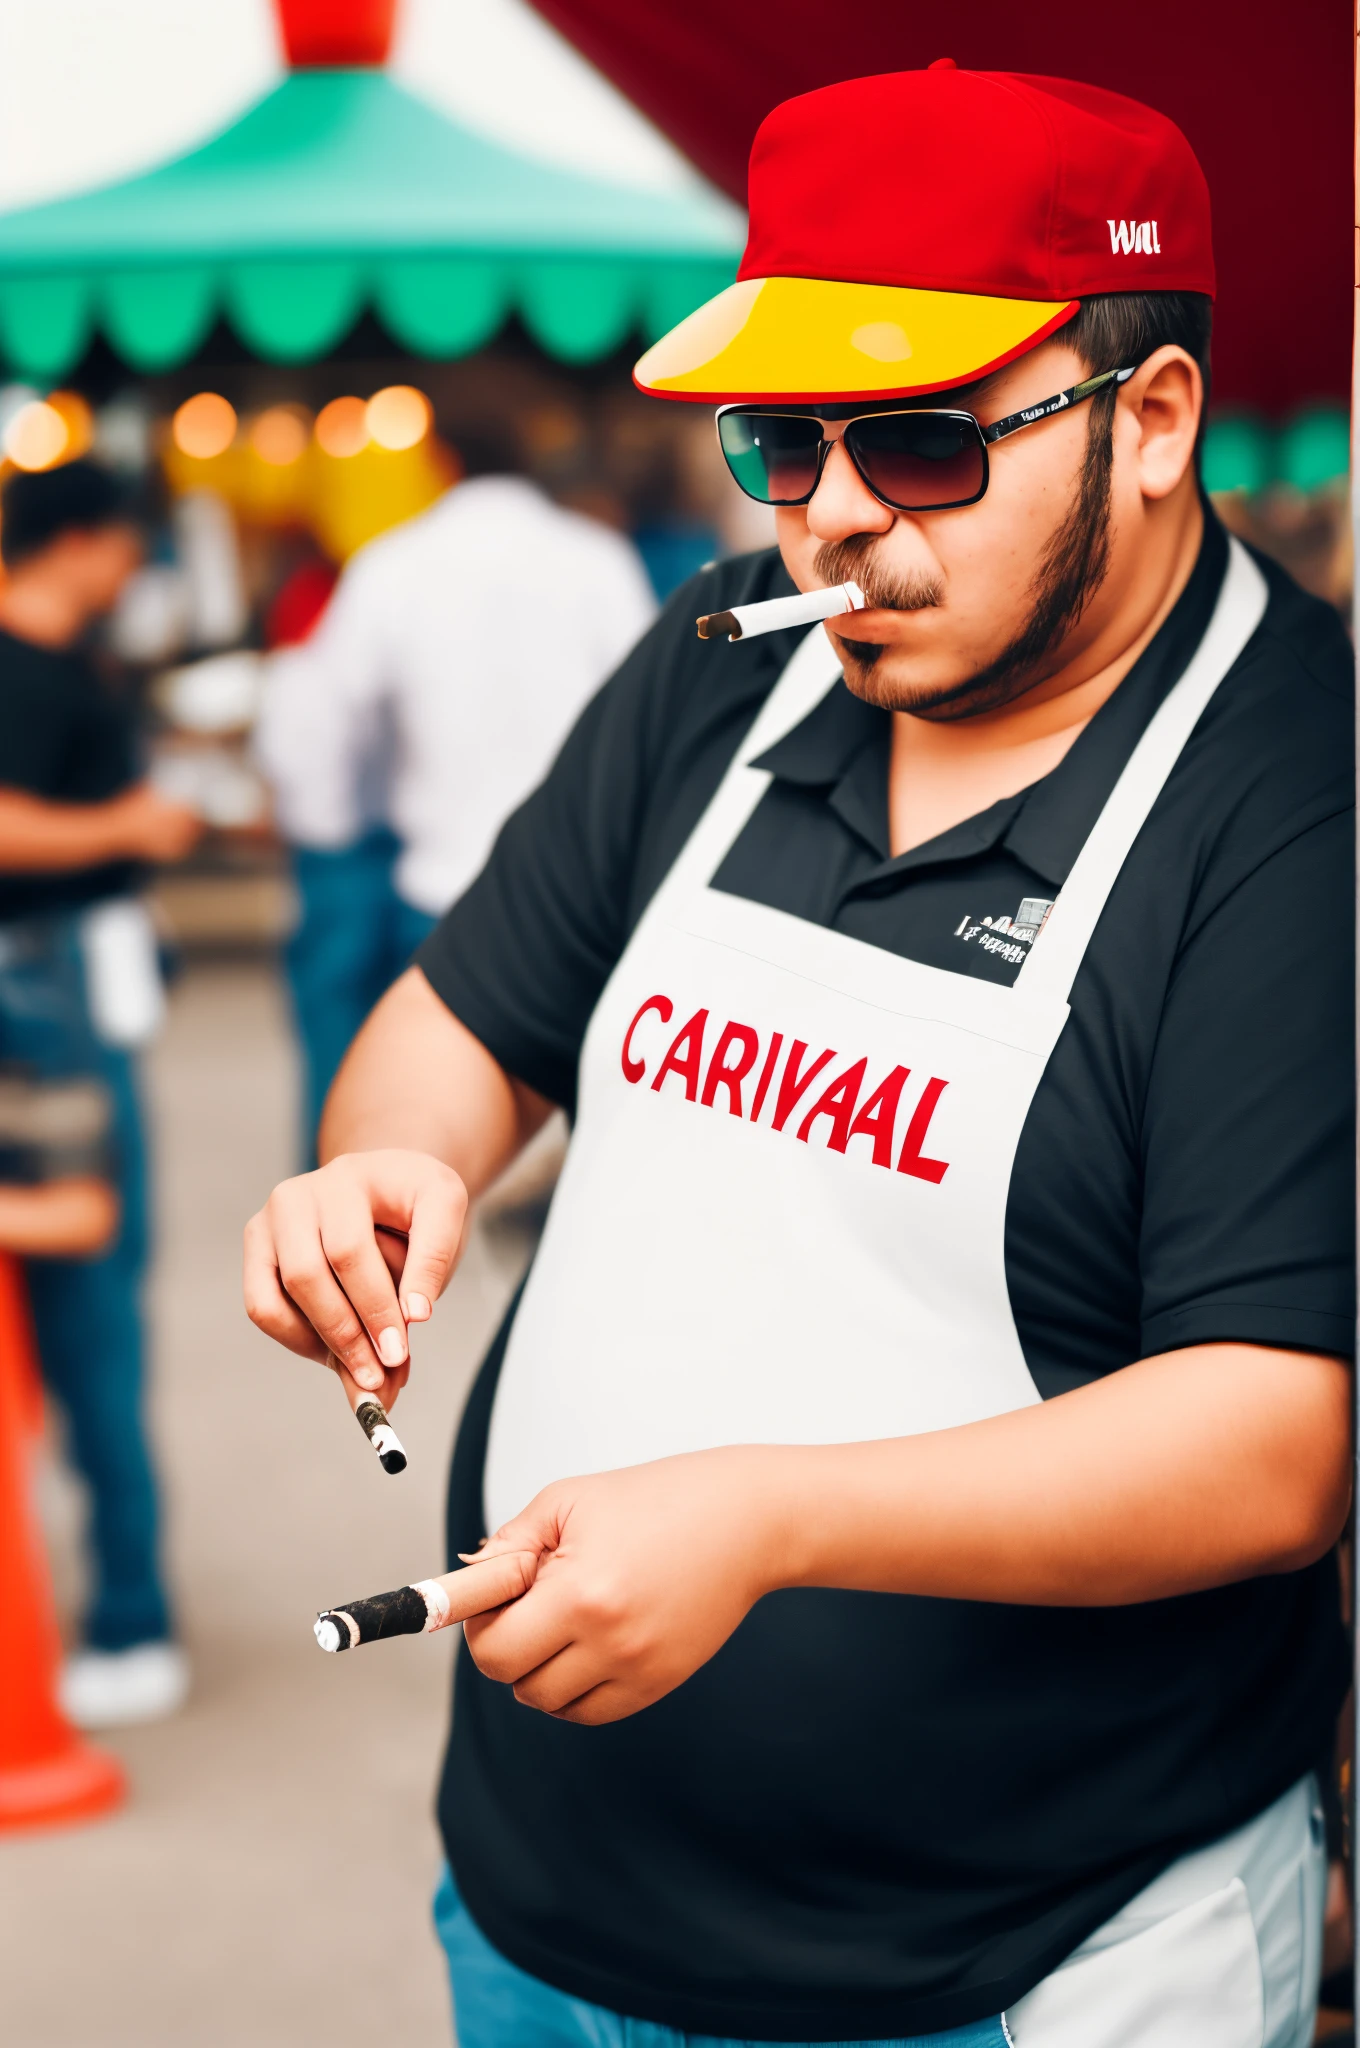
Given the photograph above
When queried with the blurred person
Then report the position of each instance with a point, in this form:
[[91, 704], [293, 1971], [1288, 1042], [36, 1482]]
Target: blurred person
[[298, 603], [56, 1193], [78, 988], [431, 697]]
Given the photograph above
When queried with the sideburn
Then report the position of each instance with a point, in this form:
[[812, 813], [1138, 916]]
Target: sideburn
[[1074, 566]]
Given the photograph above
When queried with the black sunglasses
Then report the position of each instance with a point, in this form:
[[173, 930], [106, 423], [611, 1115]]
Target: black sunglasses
[[917, 461]]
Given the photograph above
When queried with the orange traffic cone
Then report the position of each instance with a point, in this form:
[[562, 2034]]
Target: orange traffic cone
[[48, 1773]]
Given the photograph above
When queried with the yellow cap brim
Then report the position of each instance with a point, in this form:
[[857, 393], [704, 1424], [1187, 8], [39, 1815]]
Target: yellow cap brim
[[776, 340]]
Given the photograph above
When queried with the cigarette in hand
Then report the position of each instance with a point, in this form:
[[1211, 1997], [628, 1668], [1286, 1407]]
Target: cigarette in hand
[[744, 621], [371, 1417], [410, 1611], [430, 1604]]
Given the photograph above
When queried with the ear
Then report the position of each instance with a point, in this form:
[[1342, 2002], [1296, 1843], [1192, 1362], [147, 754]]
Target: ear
[[1162, 403]]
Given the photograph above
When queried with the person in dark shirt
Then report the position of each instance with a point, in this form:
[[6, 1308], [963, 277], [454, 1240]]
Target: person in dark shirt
[[900, 1509], [78, 824], [66, 738]]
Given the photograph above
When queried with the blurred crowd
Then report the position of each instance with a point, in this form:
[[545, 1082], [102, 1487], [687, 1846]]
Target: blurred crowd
[[249, 636], [277, 641]]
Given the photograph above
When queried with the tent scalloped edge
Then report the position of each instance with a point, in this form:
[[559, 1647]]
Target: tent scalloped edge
[[438, 307]]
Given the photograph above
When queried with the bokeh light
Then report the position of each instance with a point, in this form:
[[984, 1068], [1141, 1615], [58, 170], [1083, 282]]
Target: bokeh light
[[78, 419], [342, 426], [279, 436], [398, 416], [37, 436], [204, 426]]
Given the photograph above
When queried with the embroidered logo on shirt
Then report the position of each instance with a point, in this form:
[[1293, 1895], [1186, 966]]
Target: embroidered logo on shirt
[[1010, 937]]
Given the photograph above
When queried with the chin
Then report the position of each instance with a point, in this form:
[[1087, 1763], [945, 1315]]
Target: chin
[[874, 673]]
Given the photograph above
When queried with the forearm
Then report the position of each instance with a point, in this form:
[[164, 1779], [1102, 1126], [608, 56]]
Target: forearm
[[1194, 1469], [69, 1218], [49, 837], [417, 1079]]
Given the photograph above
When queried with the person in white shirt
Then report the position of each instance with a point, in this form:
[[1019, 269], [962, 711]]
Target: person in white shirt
[[418, 715]]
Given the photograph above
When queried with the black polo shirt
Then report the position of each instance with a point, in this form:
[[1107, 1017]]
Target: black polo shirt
[[872, 1815], [63, 735]]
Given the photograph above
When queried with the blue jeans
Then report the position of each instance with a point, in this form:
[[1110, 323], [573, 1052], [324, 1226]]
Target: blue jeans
[[496, 2005], [354, 936], [88, 1312]]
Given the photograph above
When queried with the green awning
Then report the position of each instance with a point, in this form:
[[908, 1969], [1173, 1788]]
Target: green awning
[[340, 190]]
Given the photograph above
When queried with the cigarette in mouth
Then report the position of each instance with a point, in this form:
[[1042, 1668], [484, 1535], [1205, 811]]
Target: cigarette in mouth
[[430, 1604], [744, 621]]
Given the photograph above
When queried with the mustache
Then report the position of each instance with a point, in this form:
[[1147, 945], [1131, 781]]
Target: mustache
[[885, 589]]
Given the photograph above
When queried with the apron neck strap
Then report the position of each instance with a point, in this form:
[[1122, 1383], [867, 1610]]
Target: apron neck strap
[[810, 672], [1048, 973]]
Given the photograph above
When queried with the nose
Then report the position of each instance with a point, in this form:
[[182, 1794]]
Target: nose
[[842, 503]]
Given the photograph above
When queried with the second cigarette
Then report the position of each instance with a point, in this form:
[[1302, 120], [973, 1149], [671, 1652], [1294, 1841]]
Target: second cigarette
[[409, 1611]]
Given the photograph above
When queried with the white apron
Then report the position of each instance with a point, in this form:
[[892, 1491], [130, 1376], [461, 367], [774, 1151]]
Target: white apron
[[782, 1214]]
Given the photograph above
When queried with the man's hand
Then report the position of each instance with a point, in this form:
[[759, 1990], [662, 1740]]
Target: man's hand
[[322, 1257], [37, 836], [72, 1218], [642, 1575], [149, 826], [416, 1092]]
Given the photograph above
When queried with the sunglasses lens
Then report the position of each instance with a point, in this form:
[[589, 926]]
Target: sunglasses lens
[[773, 456], [918, 461]]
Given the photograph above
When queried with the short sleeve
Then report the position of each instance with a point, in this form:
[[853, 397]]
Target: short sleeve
[[1248, 1229]]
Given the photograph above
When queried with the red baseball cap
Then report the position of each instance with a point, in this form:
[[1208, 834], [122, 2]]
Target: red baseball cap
[[918, 229]]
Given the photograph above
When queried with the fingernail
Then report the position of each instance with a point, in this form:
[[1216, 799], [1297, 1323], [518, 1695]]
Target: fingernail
[[417, 1308], [369, 1377], [391, 1347]]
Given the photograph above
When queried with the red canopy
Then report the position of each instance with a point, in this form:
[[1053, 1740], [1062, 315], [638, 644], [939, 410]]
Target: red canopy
[[1263, 93]]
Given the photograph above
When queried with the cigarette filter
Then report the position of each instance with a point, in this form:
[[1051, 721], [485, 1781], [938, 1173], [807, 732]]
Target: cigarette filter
[[371, 1417], [744, 621], [410, 1611]]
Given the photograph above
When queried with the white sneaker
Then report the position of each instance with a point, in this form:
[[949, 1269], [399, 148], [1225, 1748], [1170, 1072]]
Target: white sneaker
[[113, 1688]]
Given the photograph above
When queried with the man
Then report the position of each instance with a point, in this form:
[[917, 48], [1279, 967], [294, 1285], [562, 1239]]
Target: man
[[947, 1294], [403, 732], [76, 824]]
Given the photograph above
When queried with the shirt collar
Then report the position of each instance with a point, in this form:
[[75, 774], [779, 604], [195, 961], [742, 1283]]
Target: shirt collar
[[842, 747]]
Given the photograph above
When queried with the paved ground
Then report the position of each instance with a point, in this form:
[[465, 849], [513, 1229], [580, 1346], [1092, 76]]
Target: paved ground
[[267, 1885]]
